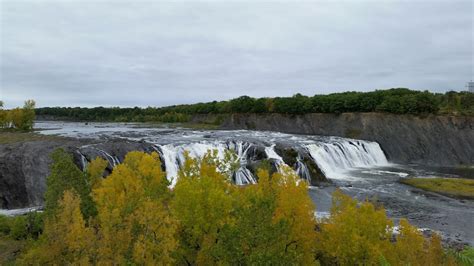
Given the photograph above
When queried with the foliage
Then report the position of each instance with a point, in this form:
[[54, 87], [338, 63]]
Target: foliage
[[451, 187], [66, 239], [397, 101], [4, 225], [20, 227], [66, 176], [361, 234], [465, 257], [206, 220], [217, 221], [353, 234], [18, 118], [133, 216]]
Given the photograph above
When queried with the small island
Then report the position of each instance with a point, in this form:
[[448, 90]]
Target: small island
[[460, 188]]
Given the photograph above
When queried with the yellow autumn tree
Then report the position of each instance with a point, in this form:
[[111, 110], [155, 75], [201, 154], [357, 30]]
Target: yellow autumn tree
[[273, 223], [134, 222], [412, 248], [66, 239], [202, 205], [295, 207], [361, 234], [353, 235]]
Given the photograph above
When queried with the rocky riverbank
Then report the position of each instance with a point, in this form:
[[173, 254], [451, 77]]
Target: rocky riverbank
[[25, 164], [431, 140]]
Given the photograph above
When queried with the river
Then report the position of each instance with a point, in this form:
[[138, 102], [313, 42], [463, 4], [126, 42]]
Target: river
[[360, 168]]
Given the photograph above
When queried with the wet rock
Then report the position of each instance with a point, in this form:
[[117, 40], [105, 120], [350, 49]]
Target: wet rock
[[317, 176], [256, 153], [288, 154], [267, 164]]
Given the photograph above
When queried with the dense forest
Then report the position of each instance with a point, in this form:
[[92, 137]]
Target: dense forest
[[133, 217], [396, 101]]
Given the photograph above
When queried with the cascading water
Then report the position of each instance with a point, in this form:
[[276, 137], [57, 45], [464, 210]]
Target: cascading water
[[302, 170], [173, 157], [335, 158], [169, 154], [333, 155], [242, 176], [83, 160], [113, 161], [271, 154]]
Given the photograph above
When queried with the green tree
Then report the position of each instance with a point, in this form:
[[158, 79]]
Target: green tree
[[65, 175]]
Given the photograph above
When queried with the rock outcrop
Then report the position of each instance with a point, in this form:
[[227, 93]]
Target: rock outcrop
[[430, 140], [24, 167]]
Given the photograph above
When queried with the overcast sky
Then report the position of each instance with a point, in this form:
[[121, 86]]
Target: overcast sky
[[140, 53]]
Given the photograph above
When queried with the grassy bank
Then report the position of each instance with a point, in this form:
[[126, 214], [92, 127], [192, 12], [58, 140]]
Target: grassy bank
[[451, 187], [10, 136]]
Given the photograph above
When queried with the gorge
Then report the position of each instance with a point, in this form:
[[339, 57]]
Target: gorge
[[362, 154]]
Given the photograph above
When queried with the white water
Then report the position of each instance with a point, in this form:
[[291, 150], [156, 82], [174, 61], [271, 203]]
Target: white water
[[336, 158], [169, 154], [174, 157], [83, 161], [302, 171], [111, 159], [243, 176], [271, 154], [16, 212]]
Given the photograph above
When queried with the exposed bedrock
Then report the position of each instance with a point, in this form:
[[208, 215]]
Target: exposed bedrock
[[24, 166], [430, 140], [23, 170]]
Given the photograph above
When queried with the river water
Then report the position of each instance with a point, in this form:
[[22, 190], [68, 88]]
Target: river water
[[358, 167]]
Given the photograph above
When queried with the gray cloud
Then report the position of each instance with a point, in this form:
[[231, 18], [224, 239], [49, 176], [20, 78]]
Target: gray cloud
[[74, 53]]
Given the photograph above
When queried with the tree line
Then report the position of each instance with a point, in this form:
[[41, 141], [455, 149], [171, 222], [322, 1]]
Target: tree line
[[396, 101], [133, 217], [18, 118]]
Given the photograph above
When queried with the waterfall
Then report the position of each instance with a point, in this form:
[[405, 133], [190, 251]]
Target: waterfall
[[271, 154], [113, 160], [169, 154], [336, 157], [83, 161], [173, 157], [302, 170], [242, 176]]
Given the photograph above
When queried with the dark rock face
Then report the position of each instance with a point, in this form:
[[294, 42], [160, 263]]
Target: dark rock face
[[113, 151], [291, 156], [23, 170], [431, 140], [24, 166], [317, 176]]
